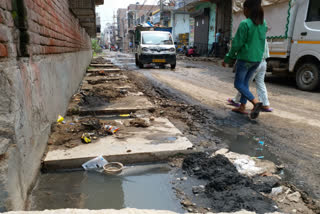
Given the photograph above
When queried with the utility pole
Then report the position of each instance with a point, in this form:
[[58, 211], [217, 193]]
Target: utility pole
[[114, 28], [161, 9]]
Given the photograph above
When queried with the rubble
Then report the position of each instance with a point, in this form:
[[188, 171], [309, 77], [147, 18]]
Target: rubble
[[227, 189]]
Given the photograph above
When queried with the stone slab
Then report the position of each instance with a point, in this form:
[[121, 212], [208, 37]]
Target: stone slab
[[91, 79], [155, 143], [101, 65], [91, 70], [124, 105]]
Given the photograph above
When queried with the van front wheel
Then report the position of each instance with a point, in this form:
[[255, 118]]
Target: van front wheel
[[173, 66], [308, 77]]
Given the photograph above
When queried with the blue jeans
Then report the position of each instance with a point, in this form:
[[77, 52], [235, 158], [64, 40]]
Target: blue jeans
[[244, 71]]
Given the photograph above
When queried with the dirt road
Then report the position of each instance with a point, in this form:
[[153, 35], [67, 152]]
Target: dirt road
[[291, 133]]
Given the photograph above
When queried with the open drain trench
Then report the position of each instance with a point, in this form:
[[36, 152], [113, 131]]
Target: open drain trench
[[108, 97]]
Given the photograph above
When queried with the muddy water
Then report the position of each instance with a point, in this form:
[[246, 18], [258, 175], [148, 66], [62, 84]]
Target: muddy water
[[144, 187]]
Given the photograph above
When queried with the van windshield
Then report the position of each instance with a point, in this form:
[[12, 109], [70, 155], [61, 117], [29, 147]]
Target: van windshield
[[157, 39]]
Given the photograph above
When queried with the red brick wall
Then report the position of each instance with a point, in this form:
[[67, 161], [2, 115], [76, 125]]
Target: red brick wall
[[6, 29], [53, 28]]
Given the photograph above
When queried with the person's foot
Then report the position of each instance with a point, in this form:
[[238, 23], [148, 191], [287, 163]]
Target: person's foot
[[239, 111], [256, 111], [233, 103], [266, 109]]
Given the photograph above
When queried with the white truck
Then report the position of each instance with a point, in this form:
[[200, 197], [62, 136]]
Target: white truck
[[154, 45], [293, 38]]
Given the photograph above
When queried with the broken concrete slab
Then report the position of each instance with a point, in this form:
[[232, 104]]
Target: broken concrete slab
[[155, 143], [102, 65], [124, 105], [100, 79], [92, 70], [86, 86]]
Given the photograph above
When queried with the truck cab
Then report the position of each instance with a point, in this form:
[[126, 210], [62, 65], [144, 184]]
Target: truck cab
[[305, 48], [154, 46]]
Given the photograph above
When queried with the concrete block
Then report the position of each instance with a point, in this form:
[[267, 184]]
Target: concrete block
[[91, 70], [123, 105], [155, 143], [101, 65]]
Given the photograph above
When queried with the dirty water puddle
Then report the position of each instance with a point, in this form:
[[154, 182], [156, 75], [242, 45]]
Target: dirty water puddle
[[140, 186]]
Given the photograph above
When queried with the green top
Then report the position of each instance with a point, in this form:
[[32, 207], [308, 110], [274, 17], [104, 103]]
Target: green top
[[248, 43]]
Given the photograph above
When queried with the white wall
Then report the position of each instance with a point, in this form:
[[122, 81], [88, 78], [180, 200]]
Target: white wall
[[181, 25]]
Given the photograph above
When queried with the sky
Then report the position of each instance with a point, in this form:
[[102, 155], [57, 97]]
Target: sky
[[111, 6]]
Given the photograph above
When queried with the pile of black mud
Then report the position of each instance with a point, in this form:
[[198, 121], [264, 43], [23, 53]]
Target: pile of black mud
[[227, 188]]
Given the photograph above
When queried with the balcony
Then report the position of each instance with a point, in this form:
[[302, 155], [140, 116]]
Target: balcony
[[84, 10]]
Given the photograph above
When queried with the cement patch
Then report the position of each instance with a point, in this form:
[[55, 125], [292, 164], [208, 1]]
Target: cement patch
[[122, 105], [155, 143]]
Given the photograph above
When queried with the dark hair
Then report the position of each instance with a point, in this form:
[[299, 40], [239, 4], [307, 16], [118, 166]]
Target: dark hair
[[256, 13]]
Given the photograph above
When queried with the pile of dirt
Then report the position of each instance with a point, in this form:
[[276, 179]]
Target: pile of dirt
[[93, 100], [228, 190], [69, 134], [99, 60]]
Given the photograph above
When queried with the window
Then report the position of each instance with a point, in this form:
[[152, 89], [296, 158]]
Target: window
[[157, 39], [314, 11]]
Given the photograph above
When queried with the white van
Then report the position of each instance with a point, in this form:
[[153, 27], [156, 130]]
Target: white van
[[155, 47]]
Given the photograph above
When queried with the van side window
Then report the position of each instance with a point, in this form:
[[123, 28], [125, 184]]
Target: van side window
[[314, 11]]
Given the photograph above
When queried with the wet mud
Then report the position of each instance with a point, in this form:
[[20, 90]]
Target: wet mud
[[227, 189]]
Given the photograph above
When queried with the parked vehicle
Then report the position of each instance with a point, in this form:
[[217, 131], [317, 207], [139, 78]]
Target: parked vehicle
[[294, 39], [154, 45]]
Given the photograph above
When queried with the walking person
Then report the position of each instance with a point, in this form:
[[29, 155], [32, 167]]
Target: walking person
[[216, 45], [248, 47], [258, 76]]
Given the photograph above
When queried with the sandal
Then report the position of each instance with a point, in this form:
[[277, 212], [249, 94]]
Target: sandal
[[236, 110], [256, 111], [267, 109], [233, 103]]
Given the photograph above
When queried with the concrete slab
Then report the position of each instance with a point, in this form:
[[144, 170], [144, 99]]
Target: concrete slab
[[155, 143], [124, 105], [102, 65], [101, 79], [92, 70], [86, 86]]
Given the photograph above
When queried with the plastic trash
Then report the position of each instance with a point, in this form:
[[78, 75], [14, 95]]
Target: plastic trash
[[86, 138], [260, 157], [95, 164], [261, 143], [111, 129], [277, 190], [60, 119], [124, 115]]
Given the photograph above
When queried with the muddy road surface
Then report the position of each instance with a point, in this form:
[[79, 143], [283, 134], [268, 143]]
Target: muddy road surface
[[197, 92]]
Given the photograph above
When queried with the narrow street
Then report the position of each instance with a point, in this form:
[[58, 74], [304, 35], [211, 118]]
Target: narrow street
[[125, 106], [291, 132]]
